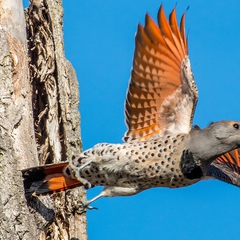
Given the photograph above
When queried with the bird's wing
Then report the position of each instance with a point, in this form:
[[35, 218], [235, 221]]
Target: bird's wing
[[226, 168], [162, 93], [47, 179]]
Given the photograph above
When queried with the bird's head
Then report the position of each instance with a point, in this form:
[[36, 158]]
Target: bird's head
[[226, 132], [214, 140]]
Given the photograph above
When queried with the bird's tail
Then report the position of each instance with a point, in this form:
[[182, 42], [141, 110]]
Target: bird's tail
[[44, 180]]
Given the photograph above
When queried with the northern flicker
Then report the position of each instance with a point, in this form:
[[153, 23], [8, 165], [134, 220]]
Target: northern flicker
[[161, 148]]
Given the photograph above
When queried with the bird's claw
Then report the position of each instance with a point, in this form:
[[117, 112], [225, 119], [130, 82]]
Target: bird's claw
[[91, 208], [86, 206]]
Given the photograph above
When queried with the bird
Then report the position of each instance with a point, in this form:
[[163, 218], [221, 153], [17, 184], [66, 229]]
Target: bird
[[161, 146]]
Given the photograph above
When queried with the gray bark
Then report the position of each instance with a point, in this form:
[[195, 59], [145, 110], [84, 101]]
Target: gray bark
[[39, 121]]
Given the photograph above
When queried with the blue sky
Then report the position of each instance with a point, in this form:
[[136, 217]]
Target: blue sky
[[99, 42]]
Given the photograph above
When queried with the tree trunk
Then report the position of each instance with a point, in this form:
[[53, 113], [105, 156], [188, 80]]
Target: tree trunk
[[39, 121]]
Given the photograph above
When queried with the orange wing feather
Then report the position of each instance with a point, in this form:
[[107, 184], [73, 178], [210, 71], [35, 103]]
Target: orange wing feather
[[231, 160], [156, 74], [227, 168]]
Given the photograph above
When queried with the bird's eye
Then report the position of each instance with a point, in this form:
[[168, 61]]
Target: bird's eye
[[235, 125]]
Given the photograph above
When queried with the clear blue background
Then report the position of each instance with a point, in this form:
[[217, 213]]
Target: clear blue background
[[99, 42]]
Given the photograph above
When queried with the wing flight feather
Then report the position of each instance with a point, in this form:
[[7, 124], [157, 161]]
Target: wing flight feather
[[226, 168], [162, 94]]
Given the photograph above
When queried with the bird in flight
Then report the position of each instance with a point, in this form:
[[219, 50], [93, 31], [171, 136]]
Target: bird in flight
[[161, 147]]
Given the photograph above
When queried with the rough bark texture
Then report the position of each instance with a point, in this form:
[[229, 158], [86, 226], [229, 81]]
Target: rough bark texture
[[39, 121], [17, 141]]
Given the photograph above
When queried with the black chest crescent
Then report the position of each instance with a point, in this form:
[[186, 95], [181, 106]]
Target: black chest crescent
[[189, 166]]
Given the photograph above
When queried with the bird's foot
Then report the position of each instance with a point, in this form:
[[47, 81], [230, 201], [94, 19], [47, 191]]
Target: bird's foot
[[86, 206]]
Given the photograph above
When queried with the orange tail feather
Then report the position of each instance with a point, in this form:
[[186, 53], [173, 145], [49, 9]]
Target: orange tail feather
[[44, 180]]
